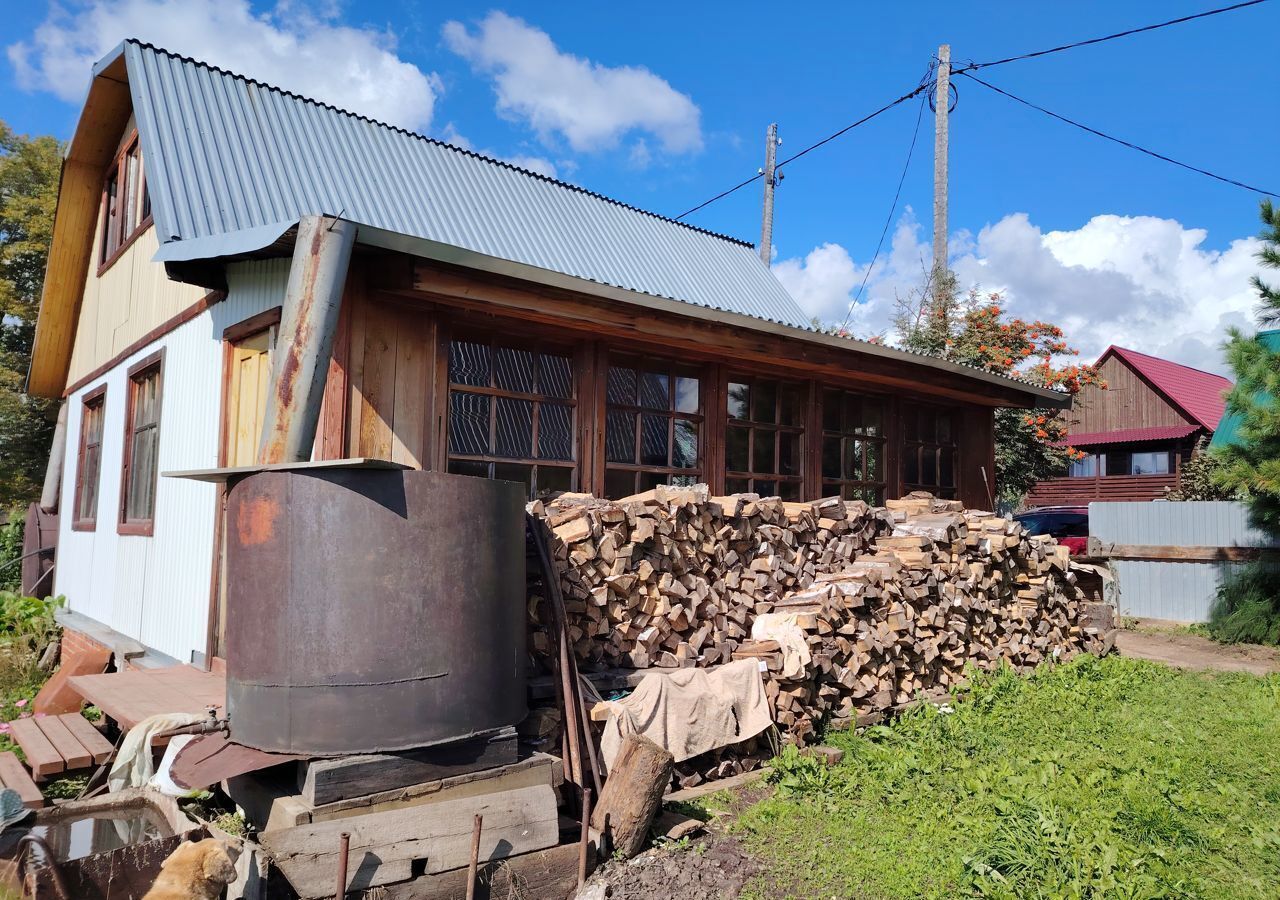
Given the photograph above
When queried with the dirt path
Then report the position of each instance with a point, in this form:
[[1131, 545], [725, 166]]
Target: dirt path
[[1168, 643]]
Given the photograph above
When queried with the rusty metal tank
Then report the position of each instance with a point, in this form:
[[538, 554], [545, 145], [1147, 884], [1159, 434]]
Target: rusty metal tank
[[373, 610]]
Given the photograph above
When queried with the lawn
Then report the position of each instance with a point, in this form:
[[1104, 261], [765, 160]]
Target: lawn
[[1100, 778]]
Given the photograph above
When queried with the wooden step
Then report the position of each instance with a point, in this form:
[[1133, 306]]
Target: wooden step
[[89, 737], [42, 757], [71, 750], [14, 776]]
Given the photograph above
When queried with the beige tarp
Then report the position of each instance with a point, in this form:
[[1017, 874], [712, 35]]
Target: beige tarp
[[691, 711]]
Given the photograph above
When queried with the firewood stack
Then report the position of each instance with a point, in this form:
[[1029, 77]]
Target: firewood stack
[[889, 602]]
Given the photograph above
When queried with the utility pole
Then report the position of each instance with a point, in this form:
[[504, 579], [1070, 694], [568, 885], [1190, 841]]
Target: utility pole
[[769, 171], [942, 100]]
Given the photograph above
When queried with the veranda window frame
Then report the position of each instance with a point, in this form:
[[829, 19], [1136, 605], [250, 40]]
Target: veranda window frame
[[94, 401], [137, 374]]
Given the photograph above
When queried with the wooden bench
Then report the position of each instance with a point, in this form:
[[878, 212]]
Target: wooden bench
[[15, 777], [56, 744]]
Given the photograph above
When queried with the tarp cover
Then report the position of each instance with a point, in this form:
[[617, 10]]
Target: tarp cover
[[691, 711]]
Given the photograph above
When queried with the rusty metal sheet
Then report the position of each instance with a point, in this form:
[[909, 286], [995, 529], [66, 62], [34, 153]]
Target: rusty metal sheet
[[373, 610], [212, 758]]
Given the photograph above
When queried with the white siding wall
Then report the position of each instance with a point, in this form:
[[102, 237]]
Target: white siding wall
[[156, 589]]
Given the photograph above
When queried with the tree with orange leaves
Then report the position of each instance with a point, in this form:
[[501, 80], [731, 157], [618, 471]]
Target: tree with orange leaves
[[975, 330]]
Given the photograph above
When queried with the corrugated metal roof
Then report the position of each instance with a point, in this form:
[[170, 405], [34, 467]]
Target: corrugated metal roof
[[1201, 395], [1229, 428], [1128, 435], [225, 154]]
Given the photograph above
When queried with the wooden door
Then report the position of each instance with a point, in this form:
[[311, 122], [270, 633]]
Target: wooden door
[[250, 379]]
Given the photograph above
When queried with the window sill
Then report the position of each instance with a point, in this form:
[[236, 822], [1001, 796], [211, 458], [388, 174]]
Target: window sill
[[141, 529], [125, 245], [84, 525]]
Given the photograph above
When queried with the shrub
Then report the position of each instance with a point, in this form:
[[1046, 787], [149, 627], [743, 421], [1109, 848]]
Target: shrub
[[1247, 608]]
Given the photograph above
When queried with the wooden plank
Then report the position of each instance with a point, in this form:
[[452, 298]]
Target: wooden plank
[[89, 737], [437, 837], [1102, 550], [132, 695], [377, 389], [70, 749], [42, 757], [325, 781], [15, 777], [413, 353], [550, 874]]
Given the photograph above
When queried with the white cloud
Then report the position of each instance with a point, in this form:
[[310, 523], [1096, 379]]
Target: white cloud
[[592, 106], [296, 47], [1136, 281]]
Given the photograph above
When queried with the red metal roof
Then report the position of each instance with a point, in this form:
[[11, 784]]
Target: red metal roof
[[1128, 435], [1198, 394]]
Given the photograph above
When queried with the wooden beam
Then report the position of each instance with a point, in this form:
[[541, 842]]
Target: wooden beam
[[1102, 550]]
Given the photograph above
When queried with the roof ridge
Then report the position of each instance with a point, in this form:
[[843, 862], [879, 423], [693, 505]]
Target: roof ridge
[[436, 141], [1170, 362]]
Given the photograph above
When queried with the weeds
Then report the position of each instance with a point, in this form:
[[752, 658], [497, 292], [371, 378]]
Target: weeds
[[1099, 778]]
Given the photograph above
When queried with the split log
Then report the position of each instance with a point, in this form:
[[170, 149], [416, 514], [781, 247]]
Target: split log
[[632, 794]]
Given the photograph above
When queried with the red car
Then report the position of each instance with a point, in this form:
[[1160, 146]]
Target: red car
[[1069, 524]]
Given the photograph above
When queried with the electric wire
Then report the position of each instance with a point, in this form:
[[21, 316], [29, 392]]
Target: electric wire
[[1107, 37], [924, 85], [1121, 141], [893, 209]]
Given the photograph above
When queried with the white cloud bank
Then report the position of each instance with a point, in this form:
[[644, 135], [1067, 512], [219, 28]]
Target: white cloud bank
[[301, 49], [592, 106], [1137, 281]]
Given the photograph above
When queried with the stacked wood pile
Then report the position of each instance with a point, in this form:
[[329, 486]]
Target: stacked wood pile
[[891, 602], [673, 577]]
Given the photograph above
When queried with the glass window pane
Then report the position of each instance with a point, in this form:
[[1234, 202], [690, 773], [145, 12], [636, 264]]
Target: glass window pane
[[513, 428], [944, 428], [736, 458], [929, 466], [553, 480], [653, 440], [737, 485], [555, 431], [875, 461], [469, 467], [853, 459], [788, 454], [620, 437], [831, 457], [910, 424], [515, 472], [469, 363], [684, 455], [764, 401], [832, 489], [621, 389], [739, 400], [792, 404], [468, 423], [766, 488], [946, 468], [619, 484], [911, 465], [555, 376], [655, 391], [852, 412], [763, 459], [831, 410], [513, 370], [872, 416], [650, 480], [789, 490], [687, 395]]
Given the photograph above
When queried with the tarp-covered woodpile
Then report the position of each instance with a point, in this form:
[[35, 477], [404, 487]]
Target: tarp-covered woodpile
[[850, 609]]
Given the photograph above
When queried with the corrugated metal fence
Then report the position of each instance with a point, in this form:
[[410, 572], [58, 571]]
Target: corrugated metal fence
[[1172, 589]]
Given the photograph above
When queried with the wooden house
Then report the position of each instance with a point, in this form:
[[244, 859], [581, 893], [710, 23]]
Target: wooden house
[[1137, 432], [240, 275]]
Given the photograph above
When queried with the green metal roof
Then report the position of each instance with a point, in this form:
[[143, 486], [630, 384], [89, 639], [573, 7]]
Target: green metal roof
[[1229, 428]]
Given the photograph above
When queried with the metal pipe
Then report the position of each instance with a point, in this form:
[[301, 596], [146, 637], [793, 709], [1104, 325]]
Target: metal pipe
[[53, 470], [25, 843], [584, 837], [344, 850], [474, 865], [312, 298]]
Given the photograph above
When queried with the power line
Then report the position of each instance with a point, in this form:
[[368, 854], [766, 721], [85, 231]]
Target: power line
[[1122, 142], [826, 140], [888, 219], [1108, 37]]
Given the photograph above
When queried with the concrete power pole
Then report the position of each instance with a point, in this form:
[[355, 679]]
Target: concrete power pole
[[770, 183], [942, 100]]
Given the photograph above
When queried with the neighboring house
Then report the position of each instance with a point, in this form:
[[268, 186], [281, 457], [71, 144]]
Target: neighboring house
[[1229, 428], [494, 323], [1137, 432]]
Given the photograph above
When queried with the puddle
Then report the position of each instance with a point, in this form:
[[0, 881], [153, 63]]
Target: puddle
[[104, 831]]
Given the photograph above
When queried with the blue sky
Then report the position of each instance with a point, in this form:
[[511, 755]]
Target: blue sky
[[667, 106]]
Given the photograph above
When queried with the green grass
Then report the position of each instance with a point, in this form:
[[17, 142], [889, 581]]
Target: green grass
[[1101, 778]]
